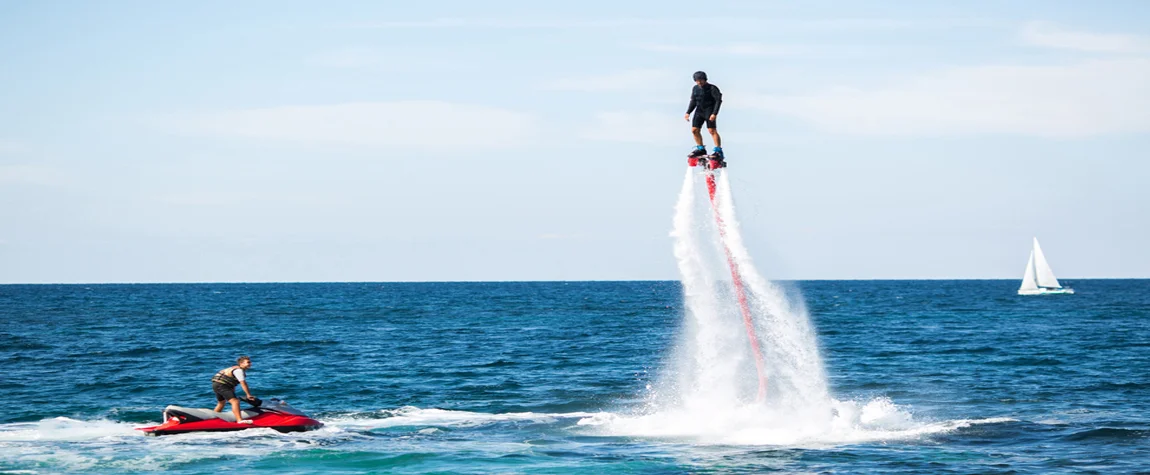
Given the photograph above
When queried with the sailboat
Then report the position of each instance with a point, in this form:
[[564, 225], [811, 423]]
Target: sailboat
[[1039, 279]]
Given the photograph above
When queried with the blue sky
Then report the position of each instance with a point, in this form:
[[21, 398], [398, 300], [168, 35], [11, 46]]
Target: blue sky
[[387, 141]]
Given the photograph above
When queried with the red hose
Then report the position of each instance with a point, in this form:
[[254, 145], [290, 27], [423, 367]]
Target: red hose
[[740, 293]]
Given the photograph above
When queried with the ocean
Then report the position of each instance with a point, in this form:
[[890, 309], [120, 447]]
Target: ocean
[[581, 377]]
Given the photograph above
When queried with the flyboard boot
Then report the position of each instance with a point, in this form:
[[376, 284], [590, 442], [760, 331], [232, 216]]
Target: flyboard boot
[[696, 155], [716, 159]]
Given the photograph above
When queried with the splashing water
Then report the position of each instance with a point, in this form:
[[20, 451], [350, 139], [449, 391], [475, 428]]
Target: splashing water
[[714, 364], [707, 392]]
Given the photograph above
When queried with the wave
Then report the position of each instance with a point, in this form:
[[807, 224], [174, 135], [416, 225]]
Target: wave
[[1027, 361], [844, 422], [1111, 386], [101, 445], [410, 416], [10, 342], [753, 425], [960, 351], [65, 429], [495, 364], [295, 343], [1108, 434]]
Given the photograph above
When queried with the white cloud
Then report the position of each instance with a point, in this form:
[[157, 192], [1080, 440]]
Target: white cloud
[[637, 127], [729, 23], [730, 49], [248, 198], [11, 146], [376, 60], [1084, 99], [528, 23], [1052, 36], [36, 175], [556, 236], [623, 81], [888, 24], [432, 125], [352, 58]]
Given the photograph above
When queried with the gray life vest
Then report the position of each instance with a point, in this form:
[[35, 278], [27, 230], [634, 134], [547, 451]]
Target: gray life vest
[[225, 377]]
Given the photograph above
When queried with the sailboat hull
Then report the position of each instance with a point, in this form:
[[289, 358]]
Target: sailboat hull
[[1040, 291]]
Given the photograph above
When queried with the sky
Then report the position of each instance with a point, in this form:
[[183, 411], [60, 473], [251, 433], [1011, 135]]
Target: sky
[[285, 141]]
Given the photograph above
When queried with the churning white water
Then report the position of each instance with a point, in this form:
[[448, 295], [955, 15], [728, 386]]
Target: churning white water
[[713, 363], [707, 392]]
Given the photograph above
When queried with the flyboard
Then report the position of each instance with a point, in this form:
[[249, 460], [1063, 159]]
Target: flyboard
[[714, 164]]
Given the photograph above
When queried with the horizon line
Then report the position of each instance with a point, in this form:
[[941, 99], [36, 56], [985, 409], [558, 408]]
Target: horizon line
[[928, 279]]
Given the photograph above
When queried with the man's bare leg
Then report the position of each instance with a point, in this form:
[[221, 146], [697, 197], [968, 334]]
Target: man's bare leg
[[219, 406], [236, 408], [714, 136], [698, 135]]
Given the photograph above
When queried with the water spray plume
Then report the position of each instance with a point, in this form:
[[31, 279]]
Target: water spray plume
[[741, 330], [740, 293], [722, 289]]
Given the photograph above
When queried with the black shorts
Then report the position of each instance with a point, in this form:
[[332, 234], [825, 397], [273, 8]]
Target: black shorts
[[224, 392], [700, 117]]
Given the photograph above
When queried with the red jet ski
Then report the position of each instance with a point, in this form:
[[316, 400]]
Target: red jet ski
[[276, 414]]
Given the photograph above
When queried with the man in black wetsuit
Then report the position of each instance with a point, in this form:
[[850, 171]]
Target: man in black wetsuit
[[705, 101]]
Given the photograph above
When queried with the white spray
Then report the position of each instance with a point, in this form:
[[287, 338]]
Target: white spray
[[786, 337], [713, 365], [707, 391]]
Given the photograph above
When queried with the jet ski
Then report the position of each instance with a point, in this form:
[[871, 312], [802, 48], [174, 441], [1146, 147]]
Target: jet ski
[[276, 414]]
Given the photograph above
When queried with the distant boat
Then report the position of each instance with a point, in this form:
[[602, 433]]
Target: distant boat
[[1039, 279]]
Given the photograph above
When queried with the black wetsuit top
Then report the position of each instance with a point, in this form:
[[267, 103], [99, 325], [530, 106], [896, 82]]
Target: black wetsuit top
[[706, 98]]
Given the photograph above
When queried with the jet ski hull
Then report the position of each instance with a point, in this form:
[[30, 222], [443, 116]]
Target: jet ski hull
[[285, 424], [278, 416]]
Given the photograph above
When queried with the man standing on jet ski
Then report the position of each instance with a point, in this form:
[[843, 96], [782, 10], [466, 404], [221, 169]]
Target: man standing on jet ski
[[224, 385]]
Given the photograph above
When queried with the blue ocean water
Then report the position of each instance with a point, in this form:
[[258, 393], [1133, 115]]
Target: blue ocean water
[[515, 377]]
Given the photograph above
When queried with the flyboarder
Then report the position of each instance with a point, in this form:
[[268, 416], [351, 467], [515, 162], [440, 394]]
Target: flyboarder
[[705, 101]]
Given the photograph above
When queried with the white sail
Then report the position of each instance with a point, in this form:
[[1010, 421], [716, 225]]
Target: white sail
[[1042, 271], [1028, 282]]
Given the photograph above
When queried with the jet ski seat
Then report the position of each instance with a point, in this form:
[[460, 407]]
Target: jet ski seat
[[193, 414]]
